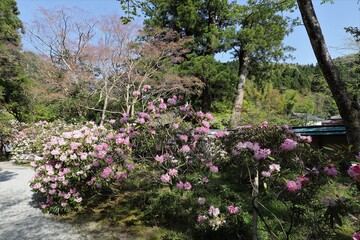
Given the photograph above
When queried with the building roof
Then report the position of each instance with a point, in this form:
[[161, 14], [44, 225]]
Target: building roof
[[320, 130]]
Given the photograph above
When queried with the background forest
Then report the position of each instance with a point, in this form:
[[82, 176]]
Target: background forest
[[82, 65]]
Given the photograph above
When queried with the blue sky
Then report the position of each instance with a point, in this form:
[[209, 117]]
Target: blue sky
[[333, 18]]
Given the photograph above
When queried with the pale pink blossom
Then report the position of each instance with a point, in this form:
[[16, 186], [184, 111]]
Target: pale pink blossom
[[64, 204], [136, 93], [213, 211], [288, 145], [205, 123], [274, 167], [173, 172], [214, 169], [159, 159], [180, 185], [183, 137], [201, 200], [266, 174], [165, 178], [146, 88], [209, 116], [185, 149], [200, 114], [201, 218], [106, 172], [187, 186], [171, 101]]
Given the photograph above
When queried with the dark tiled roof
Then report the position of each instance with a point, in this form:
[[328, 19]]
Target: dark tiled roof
[[320, 130]]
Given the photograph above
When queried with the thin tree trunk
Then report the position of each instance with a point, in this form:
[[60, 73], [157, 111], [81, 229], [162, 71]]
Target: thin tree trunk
[[206, 97], [255, 195], [349, 107], [103, 112], [243, 72]]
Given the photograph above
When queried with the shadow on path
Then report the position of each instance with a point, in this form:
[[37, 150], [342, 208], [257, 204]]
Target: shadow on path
[[6, 175]]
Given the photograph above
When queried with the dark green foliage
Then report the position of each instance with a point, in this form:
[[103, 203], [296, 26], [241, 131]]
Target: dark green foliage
[[12, 80]]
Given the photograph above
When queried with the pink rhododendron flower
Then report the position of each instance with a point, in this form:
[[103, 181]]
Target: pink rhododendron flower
[[171, 101], [146, 88], [292, 186], [159, 159], [187, 186], [183, 108], [201, 200], [201, 218], [136, 93], [112, 121], [124, 119], [354, 171], [183, 137], [209, 116], [266, 174], [200, 114], [356, 236], [109, 160], [130, 166], [214, 169], [173, 172], [307, 139], [232, 209], [52, 191], [37, 186], [202, 130], [144, 115], [165, 178], [66, 195], [330, 170], [205, 180], [185, 149], [106, 172], [64, 204], [162, 106], [78, 199], [262, 153], [175, 125], [302, 179], [140, 121], [213, 211], [274, 167], [205, 123], [152, 131], [288, 145], [180, 185], [56, 152]]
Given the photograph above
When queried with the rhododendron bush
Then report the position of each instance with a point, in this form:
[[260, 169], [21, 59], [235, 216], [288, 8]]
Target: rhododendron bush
[[211, 184]]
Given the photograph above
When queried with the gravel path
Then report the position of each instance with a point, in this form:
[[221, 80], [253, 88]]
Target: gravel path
[[20, 219]]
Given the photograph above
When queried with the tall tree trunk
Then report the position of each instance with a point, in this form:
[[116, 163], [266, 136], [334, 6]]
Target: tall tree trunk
[[255, 195], [244, 60], [349, 107], [206, 97], [103, 111]]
